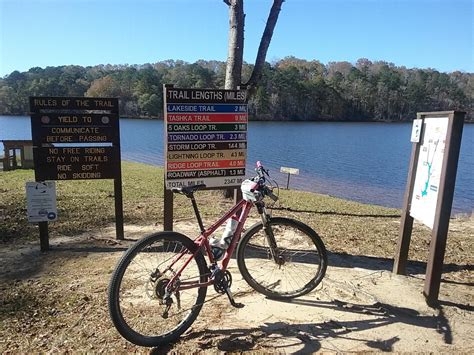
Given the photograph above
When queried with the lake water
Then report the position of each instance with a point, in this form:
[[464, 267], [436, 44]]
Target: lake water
[[365, 162]]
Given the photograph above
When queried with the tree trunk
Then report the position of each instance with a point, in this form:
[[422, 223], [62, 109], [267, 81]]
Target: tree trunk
[[235, 52]]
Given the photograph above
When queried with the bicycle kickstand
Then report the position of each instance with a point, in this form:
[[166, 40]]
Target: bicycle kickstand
[[231, 299]]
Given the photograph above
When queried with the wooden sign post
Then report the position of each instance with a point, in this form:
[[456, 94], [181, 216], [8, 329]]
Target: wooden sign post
[[77, 138], [429, 195], [205, 140]]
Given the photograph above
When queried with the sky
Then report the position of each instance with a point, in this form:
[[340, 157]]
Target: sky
[[434, 34]]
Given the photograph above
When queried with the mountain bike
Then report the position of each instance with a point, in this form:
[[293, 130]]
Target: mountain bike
[[159, 285]]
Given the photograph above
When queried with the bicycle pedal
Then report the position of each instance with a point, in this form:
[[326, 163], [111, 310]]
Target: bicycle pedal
[[232, 300]]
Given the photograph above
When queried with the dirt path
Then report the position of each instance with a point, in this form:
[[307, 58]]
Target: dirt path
[[56, 301]]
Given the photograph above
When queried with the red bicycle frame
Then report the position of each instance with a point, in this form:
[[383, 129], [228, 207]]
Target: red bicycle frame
[[203, 241]]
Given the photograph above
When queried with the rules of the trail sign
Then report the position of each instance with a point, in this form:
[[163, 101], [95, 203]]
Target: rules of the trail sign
[[75, 138], [205, 137]]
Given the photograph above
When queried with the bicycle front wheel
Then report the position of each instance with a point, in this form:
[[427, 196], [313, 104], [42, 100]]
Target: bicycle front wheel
[[144, 307], [295, 264]]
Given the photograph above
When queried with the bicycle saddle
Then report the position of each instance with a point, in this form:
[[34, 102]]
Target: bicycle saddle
[[188, 190]]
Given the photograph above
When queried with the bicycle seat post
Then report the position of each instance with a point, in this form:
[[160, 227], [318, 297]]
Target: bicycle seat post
[[196, 212], [188, 191]]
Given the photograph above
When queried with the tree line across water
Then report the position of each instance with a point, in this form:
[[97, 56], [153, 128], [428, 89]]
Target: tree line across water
[[289, 89]]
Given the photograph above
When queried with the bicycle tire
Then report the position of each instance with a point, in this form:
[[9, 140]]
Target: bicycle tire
[[301, 253], [136, 292]]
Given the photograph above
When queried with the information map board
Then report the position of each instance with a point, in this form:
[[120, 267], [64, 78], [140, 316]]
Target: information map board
[[205, 137], [428, 170], [436, 138]]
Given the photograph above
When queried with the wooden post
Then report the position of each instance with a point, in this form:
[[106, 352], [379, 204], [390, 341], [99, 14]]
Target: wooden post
[[168, 210], [43, 228], [119, 231], [168, 198], [406, 223], [443, 207], [14, 162], [44, 236]]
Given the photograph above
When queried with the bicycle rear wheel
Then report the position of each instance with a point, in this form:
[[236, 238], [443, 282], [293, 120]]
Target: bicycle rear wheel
[[299, 264], [137, 292]]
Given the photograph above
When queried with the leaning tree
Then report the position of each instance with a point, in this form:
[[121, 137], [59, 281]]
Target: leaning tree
[[233, 77]]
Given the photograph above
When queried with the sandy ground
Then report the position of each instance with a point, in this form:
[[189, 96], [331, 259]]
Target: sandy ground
[[56, 301]]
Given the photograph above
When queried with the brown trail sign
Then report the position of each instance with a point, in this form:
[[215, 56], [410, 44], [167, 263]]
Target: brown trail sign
[[429, 194], [76, 138]]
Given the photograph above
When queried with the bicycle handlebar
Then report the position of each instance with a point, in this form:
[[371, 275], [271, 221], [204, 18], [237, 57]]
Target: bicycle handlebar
[[260, 180], [261, 172]]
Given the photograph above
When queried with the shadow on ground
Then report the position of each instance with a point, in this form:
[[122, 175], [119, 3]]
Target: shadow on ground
[[384, 264], [307, 337], [333, 213]]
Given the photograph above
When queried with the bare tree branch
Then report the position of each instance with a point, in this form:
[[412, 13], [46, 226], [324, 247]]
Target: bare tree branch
[[264, 44], [227, 2]]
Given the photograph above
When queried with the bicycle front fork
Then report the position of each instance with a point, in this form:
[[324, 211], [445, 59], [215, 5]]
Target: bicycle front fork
[[269, 234]]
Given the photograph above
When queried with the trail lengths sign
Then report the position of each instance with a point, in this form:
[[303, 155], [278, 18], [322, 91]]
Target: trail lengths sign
[[77, 138], [205, 137], [205, 140]]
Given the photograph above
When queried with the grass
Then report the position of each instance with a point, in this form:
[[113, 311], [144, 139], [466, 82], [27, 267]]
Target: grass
[[87, 205]]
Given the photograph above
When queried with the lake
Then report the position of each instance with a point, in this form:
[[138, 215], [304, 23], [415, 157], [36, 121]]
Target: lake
[[365, 162]]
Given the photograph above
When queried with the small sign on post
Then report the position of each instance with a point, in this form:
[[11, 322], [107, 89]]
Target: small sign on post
[[416, 130], [289, 171], [41, 201]]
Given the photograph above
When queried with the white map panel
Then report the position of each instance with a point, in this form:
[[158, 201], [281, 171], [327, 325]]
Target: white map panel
[[428, 170]]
